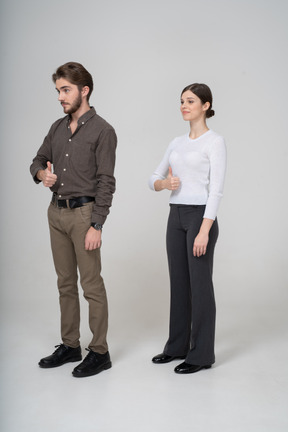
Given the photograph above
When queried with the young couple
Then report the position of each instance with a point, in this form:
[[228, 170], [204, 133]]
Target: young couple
[[81, 149]]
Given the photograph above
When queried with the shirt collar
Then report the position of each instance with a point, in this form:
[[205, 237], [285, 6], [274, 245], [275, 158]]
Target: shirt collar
[[85, 117]]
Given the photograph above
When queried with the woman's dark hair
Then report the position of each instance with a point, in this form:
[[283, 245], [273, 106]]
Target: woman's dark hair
[[205, 95], [76, 74]]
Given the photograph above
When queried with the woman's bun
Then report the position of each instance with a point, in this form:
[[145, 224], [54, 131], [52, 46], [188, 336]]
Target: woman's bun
[[210, 113]]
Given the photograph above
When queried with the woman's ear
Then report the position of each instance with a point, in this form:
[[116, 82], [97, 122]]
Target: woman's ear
[[206, 106]]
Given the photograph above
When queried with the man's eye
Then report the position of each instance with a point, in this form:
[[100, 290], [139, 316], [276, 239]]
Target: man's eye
[[66, 90]]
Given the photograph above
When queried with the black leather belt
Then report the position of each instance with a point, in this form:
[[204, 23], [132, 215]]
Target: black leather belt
[[72, 202]]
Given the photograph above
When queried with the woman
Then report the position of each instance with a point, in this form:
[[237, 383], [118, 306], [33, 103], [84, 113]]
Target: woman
[[193, 168]]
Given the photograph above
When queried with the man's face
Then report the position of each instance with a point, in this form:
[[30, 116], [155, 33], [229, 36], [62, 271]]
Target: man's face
[[70, 96]]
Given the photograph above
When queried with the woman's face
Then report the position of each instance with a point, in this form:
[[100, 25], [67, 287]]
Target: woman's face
[[192, 107]]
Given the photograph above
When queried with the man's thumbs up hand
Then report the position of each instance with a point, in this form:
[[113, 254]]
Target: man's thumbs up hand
[[46, 176]]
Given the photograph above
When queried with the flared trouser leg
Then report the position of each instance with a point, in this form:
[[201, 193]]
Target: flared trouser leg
[[192, 305]]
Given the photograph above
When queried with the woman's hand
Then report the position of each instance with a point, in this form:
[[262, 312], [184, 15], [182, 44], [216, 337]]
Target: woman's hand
[[200, 244], [202, 239], [170, 183]]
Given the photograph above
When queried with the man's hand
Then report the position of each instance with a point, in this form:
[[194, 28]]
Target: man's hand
[[46, 176], [93, 239]]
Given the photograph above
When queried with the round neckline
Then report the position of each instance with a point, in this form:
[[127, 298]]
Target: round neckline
[[195, 139]]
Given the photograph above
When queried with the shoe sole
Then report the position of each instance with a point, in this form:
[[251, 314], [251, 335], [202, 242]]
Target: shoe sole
[[190, 372], [83, 375], [168, 361], [74, 359]]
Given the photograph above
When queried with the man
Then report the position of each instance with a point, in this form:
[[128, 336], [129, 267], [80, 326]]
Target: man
[[81, 147]]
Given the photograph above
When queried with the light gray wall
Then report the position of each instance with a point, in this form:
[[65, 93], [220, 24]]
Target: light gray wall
[[141, 55]]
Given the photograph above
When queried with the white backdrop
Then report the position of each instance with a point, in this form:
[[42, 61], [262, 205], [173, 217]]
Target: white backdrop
[[141, 55]]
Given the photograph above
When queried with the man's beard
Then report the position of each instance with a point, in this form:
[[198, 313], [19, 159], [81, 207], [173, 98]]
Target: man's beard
[[75, 105]]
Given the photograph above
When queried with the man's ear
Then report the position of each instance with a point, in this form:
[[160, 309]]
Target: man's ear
[[85, 91]]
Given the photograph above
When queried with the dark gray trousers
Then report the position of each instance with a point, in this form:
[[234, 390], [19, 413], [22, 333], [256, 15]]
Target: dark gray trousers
[[192, 308]]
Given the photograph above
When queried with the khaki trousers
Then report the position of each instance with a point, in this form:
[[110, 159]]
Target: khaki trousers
[[68, 228]]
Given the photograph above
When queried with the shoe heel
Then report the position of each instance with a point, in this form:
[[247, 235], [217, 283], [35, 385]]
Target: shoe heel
[[107, 366], [207, 367]]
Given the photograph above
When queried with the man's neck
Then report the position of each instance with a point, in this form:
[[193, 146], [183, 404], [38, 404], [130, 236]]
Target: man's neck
[[80, 112]]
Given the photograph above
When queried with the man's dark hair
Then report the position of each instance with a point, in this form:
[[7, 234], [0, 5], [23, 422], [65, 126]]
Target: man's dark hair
[[76, 74]]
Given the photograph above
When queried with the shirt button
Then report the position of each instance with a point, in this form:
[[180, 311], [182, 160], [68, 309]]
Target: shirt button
[[67, 154], [62, 184], [83, 122], [64, 169], [60, 196], [70, 140]]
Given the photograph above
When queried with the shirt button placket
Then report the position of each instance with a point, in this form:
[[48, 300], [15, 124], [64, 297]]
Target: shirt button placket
[[67, 155]]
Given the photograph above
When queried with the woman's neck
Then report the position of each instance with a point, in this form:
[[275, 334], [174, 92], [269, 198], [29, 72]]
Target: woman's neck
[[197, 129]]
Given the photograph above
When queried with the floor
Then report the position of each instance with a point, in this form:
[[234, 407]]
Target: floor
[[246, 390]]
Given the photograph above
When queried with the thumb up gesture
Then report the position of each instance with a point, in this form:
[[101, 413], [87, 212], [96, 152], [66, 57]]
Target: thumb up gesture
[[46, 176], [49, 167], [171, 182]]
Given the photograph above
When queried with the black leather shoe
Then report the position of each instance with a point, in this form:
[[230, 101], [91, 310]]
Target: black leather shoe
[[92, 364], [63, 354], [165, 358], [186, 368]]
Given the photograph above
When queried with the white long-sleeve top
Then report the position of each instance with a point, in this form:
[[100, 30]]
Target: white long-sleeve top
[[200, 165]]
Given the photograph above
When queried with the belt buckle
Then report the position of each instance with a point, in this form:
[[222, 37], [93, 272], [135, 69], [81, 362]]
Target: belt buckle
[[56, 202]]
